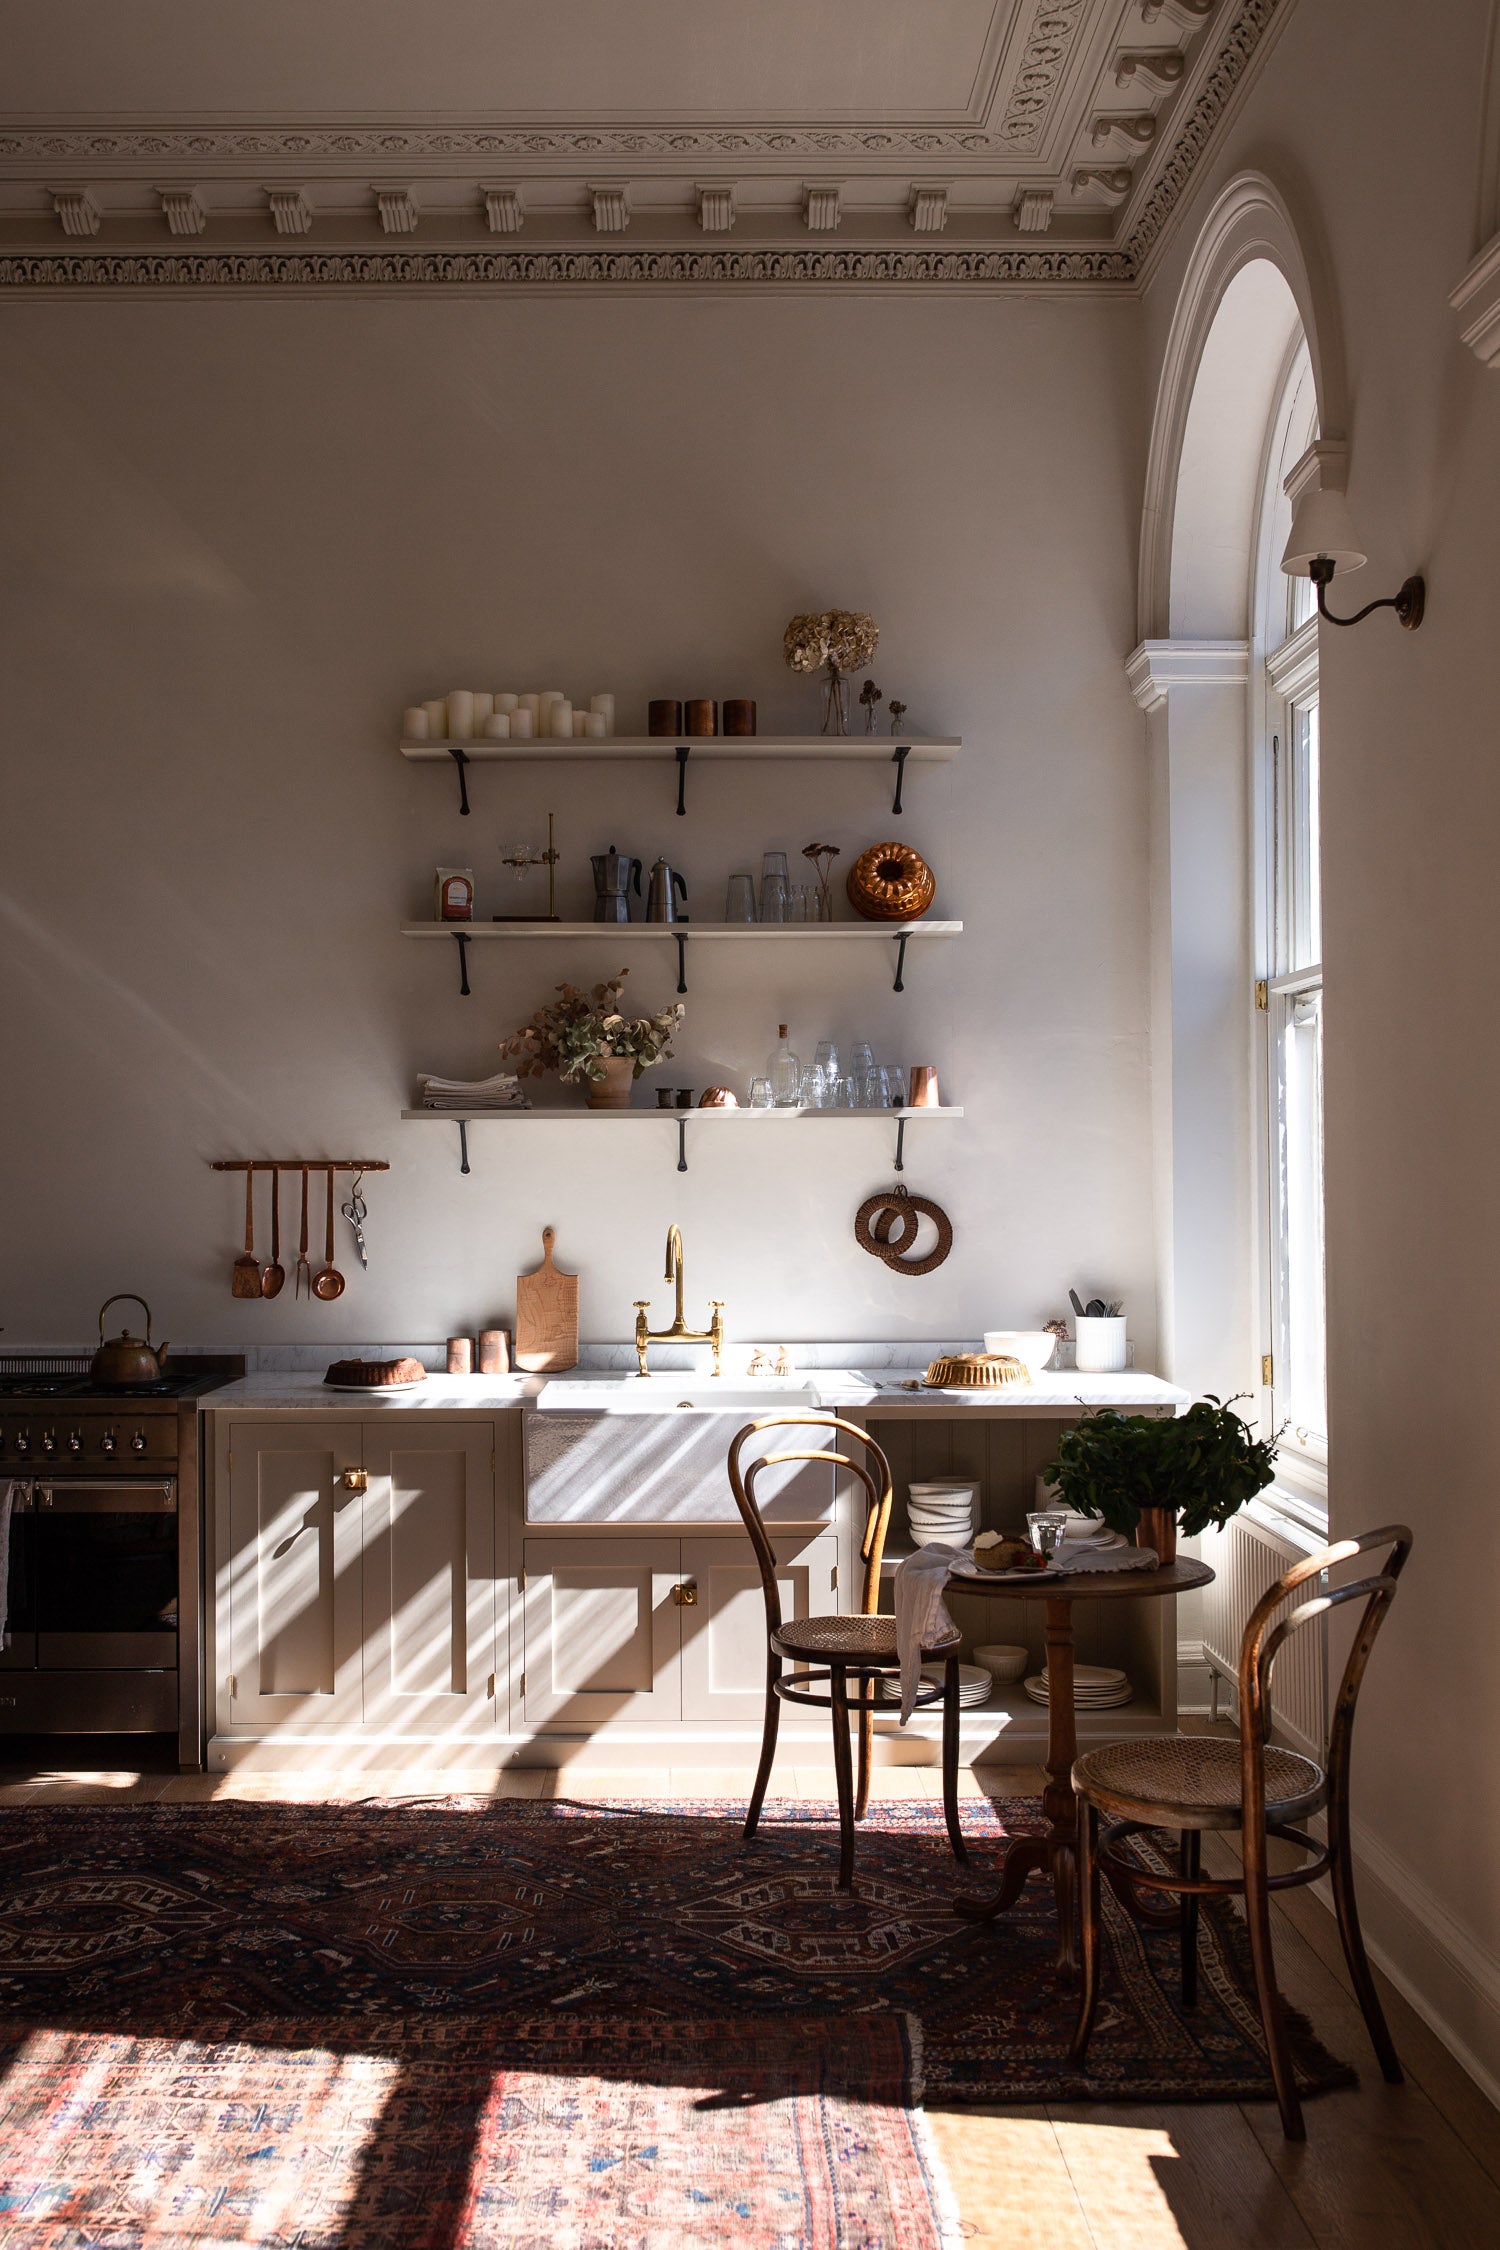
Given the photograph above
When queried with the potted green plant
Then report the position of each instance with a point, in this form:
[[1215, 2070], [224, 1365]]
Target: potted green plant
[[1150, 1478], [586, 1038]]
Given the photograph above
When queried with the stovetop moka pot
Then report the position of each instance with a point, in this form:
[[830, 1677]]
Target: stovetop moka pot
[[614, 874]]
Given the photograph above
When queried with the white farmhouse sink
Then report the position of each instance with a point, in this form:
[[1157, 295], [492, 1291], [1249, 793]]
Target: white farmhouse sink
[[653, 1450]]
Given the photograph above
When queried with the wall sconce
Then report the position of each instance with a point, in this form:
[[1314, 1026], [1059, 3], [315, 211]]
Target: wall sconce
[[1323, 540]]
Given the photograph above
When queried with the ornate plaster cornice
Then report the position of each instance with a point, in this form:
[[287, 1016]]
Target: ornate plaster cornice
[[382, 144], [531, 268], [1039, 73], [1241, 38]]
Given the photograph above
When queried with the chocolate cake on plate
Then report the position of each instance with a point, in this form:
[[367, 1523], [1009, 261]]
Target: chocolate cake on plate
[[375, 1374]]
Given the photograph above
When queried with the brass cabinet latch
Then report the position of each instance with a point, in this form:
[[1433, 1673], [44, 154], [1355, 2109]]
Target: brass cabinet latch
[[686, 1597], [356, 1480]]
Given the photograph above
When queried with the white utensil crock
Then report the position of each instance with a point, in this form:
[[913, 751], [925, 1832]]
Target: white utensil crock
[[1101, 1346]]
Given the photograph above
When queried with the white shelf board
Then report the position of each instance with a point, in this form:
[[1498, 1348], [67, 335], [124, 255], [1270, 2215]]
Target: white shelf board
[[755, 932], [752, 748], [677, 1116]]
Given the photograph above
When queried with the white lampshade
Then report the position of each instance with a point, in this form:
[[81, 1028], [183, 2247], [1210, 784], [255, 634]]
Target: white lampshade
[[1322, 529]]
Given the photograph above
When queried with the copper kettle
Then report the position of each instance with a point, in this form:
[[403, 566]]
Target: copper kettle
[[125, 1360]]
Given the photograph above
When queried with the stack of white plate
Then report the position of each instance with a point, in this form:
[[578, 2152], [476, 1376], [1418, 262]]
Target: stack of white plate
[[942, 1512], [1096, 1687], [974, 1684]]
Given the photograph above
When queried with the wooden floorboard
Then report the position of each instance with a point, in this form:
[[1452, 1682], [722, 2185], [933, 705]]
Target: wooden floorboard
[[1383, 2168]]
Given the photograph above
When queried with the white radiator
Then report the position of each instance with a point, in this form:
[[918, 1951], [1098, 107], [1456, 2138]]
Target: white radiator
[[1248, 1557]]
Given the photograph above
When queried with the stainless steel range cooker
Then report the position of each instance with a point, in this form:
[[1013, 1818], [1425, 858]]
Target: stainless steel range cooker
[[103, 1623]]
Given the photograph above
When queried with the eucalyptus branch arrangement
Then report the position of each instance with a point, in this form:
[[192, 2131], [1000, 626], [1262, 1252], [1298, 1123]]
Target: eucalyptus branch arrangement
[[574, 1034], [1201, 1466]]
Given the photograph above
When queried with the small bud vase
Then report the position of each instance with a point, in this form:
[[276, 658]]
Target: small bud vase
[[835, 700]]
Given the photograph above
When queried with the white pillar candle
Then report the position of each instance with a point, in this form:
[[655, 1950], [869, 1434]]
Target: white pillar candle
[[547, 703], [531, 705], [522, 724], [437, 719], [594, 726], [497, 726], [506, 703], [580, 726], [562, 718], [460, 714], [414, 723], [604, 707], [484, 704]]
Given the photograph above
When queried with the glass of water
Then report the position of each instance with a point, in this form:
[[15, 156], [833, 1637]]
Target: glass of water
[[1046, 1527]]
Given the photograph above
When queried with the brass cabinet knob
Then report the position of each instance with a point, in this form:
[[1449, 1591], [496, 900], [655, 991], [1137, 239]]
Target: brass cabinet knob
[[686, 1597], [356, 1480]]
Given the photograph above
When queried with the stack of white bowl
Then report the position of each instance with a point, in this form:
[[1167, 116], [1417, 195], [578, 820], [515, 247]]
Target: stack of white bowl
[[974, 1684], [1096, 1687], [943, 1511]]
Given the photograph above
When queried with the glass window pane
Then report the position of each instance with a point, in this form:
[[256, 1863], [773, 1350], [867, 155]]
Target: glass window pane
[[1303, 1392]]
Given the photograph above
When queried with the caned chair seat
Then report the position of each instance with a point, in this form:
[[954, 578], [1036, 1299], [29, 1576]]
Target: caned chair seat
[[854, 1640], [1193, 1781]]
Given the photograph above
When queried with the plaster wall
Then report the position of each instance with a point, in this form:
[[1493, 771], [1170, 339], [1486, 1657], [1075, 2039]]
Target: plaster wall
[[1410, 817], [240, 535]]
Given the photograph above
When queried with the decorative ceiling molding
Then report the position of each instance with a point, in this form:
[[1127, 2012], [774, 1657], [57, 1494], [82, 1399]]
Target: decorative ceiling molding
[[1033, 211], [77, 212], [529, 268], [610, 205], [928, 210], [291, 213], [261, 144], [503, 210], [716, 212], [1241, 39], [822, 208], [182, 208], [398, 210], [1039, 75]]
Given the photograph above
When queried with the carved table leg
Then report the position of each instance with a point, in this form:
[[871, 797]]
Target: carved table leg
[[1054, 1852]]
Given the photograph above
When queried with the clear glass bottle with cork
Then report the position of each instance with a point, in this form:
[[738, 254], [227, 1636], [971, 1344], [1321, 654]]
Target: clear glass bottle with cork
[[784, 1072]]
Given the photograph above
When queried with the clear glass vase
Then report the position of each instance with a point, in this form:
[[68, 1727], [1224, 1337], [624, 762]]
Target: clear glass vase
[[835, 700]]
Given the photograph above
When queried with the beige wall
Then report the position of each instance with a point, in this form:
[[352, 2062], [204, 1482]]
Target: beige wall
[[240, 535], [1375, 146]]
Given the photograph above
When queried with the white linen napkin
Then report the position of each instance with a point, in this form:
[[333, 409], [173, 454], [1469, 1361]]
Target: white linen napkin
[[7, 1504], [921, 1614]]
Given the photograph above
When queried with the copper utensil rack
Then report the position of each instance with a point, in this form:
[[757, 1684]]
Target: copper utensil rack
[[300, 1164]]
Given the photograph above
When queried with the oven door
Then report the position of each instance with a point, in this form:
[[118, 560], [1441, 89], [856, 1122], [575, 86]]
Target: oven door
[[104, 1570]]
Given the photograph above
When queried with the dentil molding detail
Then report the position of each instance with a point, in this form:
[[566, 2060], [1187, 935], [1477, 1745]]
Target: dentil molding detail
[[530, 268]]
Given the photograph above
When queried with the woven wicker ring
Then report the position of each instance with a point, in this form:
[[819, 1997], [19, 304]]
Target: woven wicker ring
[[898, 1206]]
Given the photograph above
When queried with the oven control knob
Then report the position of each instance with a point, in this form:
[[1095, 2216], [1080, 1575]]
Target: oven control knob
[[75, 1441], [107, 1442], [49, 1441], [23, 1442], [138, 1442]]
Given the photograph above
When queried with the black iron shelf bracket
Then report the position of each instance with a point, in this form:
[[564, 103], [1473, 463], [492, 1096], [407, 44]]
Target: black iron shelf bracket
[[460, 758], [899, 757], [900, 983], [463, 1144], [462, 937], [682, 1144], [681, 960], [901, 1144], [682, 759]]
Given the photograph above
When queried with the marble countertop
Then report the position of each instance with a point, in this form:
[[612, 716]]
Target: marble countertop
[[867, 1391]]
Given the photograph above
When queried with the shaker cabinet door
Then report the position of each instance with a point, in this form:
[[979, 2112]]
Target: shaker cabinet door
[[294, 1575], [600, 1629], [428, 1559], [724, 1630]]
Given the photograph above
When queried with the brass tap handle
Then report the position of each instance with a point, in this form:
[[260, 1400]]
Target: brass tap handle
[[716, 1333], [642, 1334]]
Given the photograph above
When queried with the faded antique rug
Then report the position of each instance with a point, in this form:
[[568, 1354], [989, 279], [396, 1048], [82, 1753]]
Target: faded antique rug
[[572, 2132], [162, 1917]]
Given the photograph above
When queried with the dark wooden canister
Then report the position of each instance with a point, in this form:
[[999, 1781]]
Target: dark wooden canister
[[664, 717], [701, 716], [739, 715]]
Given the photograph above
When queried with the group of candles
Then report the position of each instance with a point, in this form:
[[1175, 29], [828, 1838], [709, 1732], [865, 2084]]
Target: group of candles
[[465, 715]]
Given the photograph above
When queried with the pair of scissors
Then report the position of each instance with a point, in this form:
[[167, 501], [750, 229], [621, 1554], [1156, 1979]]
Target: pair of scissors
[[356, 1211]]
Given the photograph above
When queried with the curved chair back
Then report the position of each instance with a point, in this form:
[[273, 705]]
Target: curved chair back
[[1264, 1640], [873, 1472]]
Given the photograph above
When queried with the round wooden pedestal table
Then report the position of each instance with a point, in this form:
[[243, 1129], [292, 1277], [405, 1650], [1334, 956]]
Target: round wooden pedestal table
[[1055, 1851]]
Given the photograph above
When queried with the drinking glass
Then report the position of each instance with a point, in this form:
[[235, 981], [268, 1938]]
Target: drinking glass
[[1046, 1527], [760, 1093], [827, 1058], [814, 1087], [773, 888], [739, 900], [895, 1085]]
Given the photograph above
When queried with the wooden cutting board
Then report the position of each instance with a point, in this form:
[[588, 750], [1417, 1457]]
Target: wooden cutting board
[[546, 1316]]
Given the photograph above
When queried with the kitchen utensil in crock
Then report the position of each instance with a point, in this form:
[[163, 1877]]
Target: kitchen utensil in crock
[[273, 1276], [125, 1359], [328, 1282], [245, 1279], [304, 1270]]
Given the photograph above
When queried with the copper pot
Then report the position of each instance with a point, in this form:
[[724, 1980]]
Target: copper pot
[[126, 1361]]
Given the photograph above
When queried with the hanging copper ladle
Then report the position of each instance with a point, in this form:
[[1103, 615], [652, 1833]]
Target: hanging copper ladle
[[273, 1276], [328, 1282]]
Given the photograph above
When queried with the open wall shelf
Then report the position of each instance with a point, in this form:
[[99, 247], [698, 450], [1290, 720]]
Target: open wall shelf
[[745, 1120], [684, 934], [678, 750]]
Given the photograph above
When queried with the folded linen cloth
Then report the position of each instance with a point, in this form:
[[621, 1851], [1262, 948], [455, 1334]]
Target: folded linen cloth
[[921, 1614], [8, 1492], [500, 1091]]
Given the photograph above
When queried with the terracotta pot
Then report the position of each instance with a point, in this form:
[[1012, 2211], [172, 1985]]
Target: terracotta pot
[[1158, 1528], [612, 1091]]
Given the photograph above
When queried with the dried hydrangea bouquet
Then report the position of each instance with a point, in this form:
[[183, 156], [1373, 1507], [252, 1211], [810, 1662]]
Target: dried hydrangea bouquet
[[839, 642]]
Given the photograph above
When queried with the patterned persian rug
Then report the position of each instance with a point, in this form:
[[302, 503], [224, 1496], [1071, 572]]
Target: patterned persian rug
[[573, 2133], [164, 1917]]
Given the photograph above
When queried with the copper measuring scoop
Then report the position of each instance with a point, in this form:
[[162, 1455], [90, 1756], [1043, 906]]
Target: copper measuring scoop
[[328, 1282]]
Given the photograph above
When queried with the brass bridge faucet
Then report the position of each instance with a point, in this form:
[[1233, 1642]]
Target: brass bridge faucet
[[679, 1332]]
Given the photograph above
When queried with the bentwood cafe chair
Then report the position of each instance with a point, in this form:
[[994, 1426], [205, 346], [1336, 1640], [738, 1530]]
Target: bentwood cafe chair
[[850, 1655], [1189, 1783]]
